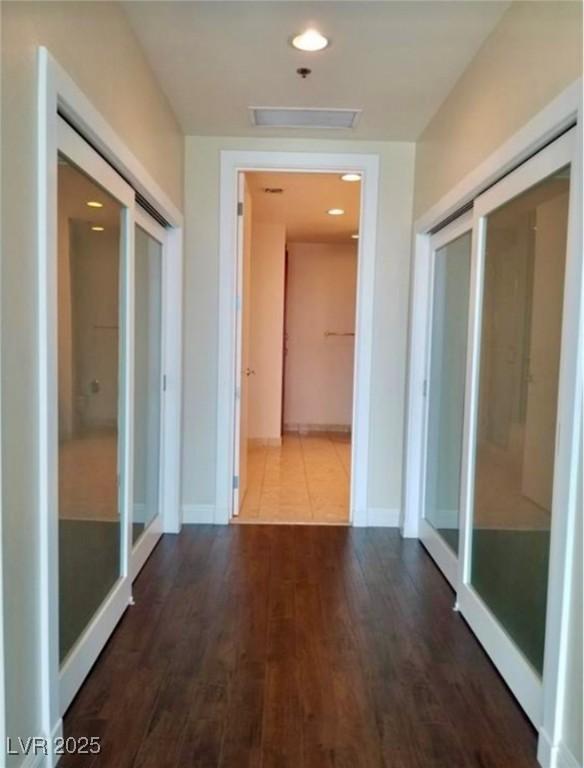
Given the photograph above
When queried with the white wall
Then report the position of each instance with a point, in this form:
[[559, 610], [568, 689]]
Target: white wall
[[201, 309], [321, 297], [268, 244], [533, 53], [95, 45]]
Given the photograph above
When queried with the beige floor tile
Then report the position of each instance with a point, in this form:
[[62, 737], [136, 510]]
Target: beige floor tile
[[305, 480]]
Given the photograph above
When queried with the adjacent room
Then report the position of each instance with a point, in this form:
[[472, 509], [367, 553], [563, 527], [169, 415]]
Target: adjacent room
[[298, 287]]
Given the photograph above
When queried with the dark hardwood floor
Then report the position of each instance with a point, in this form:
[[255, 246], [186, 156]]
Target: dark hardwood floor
[[296, 647]]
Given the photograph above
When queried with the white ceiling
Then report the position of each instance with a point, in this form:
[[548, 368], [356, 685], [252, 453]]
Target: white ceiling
[[304, 202], [395, 60]]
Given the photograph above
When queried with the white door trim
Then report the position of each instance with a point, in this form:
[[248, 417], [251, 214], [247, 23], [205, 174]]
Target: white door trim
[[232, 162], [57, 93]]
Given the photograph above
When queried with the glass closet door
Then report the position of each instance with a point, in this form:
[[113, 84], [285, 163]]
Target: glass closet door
[[148, 387], [89, 323], [93, 210], [445, 388], [521, 263]]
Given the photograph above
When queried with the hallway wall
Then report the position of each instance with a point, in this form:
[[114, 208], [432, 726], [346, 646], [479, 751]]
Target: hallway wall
[[322, 288], [201, 312], [94, 43], [534, 52]]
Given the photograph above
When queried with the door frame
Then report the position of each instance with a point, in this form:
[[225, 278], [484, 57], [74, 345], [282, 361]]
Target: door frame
[[445, 558], [232, 163], [58, 94], [150, 536], [547, 125]]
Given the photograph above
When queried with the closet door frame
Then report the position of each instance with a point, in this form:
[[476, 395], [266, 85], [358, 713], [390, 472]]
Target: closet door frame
[[151, 534], [518, 673], [445, 558]]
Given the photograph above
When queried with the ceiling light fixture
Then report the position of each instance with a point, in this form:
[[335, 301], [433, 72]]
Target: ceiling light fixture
[[94, 204], [311, 40], [351, 177], [97, 229], [335, 212]]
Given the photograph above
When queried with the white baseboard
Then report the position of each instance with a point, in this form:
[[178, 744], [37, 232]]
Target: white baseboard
[[308, 429], [382, 517], [559, 756], [50, 760], [566, 758], [198, 514], [208, 514], [273, 442]]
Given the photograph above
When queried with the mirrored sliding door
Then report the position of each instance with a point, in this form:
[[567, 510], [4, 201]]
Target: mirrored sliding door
[[521, 226], [93, 367], [445, 388], [90, 222]]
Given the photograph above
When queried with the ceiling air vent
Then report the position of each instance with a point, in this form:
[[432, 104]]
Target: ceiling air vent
[[299, 117]]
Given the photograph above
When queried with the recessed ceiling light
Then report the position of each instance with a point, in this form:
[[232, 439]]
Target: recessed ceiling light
[[335, 211], [351, 177], [94, 204], [355, 236], [97, 229], [310, 40]]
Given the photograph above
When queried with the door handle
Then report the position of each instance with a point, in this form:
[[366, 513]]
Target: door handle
[[249, 372]]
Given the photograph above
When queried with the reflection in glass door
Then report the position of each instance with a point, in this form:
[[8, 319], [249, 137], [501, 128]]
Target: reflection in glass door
[[147, 381], [89, 237], [451, 254], [524, 266]]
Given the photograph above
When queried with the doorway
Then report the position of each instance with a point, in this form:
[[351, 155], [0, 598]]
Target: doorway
[[297, 288], [233, 165]]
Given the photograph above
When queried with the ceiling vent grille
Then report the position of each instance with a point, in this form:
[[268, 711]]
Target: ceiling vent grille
[[299, 117]]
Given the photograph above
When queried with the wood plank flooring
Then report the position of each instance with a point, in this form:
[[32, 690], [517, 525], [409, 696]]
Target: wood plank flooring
[[296, 647]]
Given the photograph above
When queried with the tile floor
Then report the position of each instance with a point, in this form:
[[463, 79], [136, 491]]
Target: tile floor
[[305, 480]]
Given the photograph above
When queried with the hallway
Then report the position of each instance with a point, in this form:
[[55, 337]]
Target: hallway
[[295, 647]]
